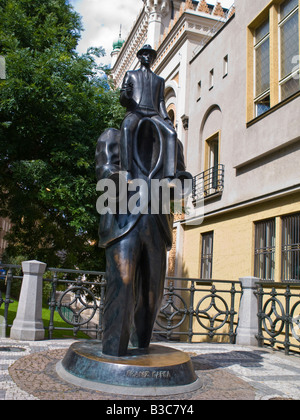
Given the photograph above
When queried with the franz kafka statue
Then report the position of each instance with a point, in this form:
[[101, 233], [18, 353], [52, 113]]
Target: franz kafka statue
[[136, 243]]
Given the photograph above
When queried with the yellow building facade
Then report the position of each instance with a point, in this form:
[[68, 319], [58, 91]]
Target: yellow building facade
[[234, 239]]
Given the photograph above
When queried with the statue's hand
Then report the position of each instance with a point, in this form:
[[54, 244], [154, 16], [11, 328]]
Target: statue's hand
[[128, 88]]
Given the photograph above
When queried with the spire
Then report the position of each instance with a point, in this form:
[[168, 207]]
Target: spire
[[118, 43]]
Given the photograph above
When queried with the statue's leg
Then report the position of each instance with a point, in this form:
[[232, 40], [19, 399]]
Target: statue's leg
[[150, 284], [128, 128], [121, 261], [170, 146]]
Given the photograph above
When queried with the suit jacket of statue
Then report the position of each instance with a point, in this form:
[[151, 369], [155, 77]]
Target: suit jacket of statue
[[113, 227], [136, 79]]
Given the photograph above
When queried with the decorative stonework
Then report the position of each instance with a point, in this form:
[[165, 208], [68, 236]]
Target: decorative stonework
[[156, 6], [231, 12], [203, 7], [184, 19], [218, 10], [188, 5], [185, 122]]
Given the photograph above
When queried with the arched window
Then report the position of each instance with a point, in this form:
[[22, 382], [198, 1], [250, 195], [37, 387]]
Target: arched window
[[170, 100]]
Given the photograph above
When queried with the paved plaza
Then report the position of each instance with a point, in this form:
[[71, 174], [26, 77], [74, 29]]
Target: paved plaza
[[228, 372]]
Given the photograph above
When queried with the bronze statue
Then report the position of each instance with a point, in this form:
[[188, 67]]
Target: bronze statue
[[136, 243], [142, 95]]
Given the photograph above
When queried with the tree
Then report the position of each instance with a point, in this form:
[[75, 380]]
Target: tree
[[53, 106]]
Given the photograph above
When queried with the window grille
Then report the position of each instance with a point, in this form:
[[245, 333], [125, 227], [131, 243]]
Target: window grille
[[290, 258], [265, 250], [207, 256]]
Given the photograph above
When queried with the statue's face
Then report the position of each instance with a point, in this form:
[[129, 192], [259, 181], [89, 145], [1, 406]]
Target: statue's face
[[146, 58]]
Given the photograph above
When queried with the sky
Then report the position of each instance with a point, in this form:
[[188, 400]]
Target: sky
[[102, 23]]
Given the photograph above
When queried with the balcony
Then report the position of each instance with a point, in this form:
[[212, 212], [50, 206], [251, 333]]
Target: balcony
[[209, 183]]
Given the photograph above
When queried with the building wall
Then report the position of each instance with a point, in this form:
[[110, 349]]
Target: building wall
[[260, 155], [261, 159], [233, 249]]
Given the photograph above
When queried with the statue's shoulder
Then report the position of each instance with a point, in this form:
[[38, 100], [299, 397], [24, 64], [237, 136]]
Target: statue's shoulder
[[130, 73], [159, 78]]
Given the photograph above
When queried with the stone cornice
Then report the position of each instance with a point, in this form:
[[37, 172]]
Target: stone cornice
[[190, 25]]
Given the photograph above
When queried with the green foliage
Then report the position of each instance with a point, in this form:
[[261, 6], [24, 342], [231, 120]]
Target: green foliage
[[54, 104]]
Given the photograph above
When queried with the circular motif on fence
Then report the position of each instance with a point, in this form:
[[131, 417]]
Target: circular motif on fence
[[172, 310], [216, 314], [296, 321], [77, 305], [272, 317]]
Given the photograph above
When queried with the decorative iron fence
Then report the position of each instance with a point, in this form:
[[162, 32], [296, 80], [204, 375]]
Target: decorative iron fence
[[194, 308], [191, 307], [78, 296], [279, 315], [9, 274]]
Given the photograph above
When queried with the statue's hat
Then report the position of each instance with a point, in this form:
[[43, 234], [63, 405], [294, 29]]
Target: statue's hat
[[148, 48]]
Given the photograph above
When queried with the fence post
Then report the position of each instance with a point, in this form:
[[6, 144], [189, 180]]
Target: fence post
[[28, 324], [247, 329]]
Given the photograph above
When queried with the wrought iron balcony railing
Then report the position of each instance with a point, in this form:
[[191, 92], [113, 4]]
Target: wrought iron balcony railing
[[209, 183]]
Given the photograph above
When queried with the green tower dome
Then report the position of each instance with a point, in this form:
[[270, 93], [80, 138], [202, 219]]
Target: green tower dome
[[117, 44]]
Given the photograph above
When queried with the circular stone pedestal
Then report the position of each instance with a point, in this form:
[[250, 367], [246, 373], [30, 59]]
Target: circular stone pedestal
[[158, 370]]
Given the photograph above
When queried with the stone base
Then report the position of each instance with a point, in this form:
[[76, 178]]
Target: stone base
[[156, 371], [27, 331]]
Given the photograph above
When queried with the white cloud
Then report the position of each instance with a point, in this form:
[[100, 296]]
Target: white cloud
[[102, 19]]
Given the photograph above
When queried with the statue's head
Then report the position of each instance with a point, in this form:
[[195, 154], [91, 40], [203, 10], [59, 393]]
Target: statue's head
[[146, 55]]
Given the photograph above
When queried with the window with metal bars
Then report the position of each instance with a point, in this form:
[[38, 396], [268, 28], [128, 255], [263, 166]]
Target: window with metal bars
[[264, 258], [207, 255], [290, 252]]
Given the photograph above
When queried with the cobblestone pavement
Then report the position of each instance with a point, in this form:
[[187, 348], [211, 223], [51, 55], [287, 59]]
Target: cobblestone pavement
[[228, 372]]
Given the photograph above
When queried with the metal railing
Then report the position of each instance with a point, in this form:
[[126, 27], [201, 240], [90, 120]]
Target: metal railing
[[196, 307], [81, 302], [78, 297], [7, 277], [209, 183], [279, 315], [191, 308]]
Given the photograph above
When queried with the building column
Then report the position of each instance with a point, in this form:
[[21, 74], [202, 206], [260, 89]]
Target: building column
[[248, 321], [156, 10], [28, 324]]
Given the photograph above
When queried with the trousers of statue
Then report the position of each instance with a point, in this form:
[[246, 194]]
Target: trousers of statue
[[136, 266], [169, 136]]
